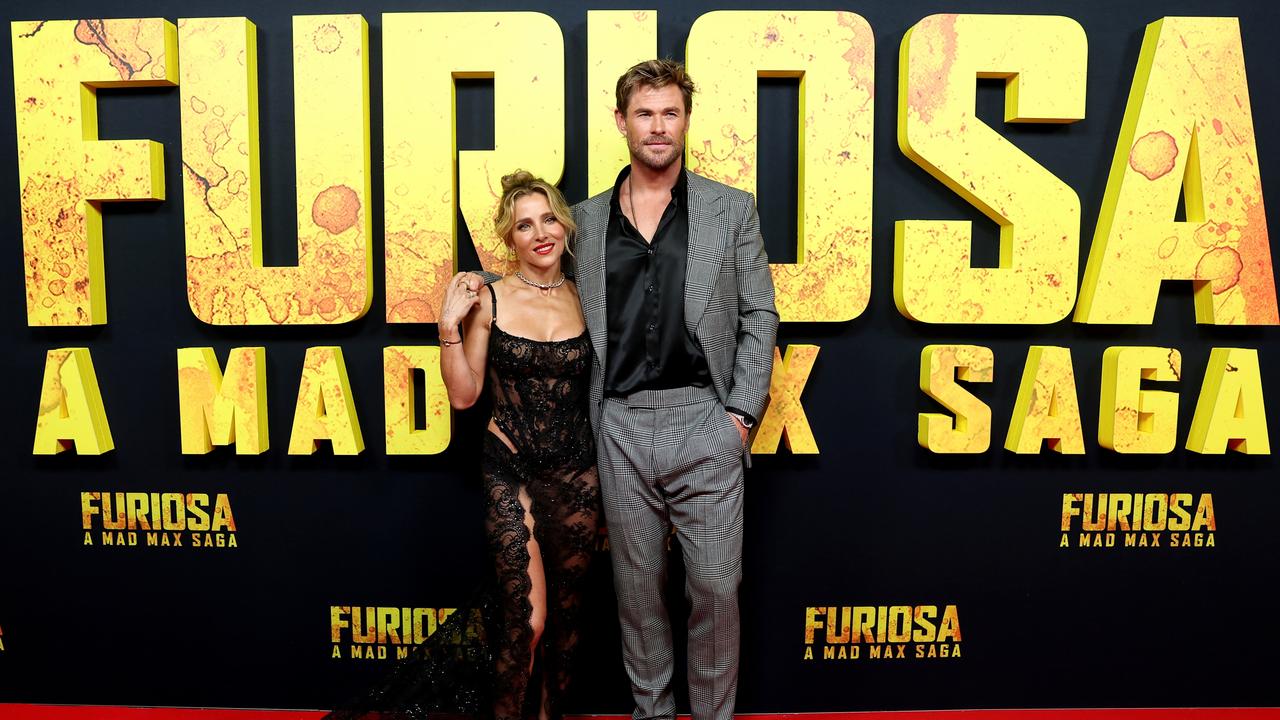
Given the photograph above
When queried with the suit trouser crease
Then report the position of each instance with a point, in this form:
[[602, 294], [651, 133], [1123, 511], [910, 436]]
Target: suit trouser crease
[[674, 458]]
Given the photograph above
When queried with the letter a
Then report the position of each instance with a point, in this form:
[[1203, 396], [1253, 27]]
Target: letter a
[[1230, 412], [71, 410], [325, 409], [1046, 408]]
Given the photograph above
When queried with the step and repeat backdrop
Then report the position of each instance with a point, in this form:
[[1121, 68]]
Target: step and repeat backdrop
[[1017, 453]]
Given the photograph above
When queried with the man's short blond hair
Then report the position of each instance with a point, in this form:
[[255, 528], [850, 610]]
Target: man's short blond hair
[[655, 74]]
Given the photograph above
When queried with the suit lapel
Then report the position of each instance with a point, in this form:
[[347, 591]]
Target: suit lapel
[[707, 238], [591, 275]]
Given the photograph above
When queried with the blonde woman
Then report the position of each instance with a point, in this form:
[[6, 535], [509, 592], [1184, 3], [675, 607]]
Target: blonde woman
[[524, 336]]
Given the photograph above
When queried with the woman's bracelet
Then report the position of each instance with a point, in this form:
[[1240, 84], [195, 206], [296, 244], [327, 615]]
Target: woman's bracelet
[[447, 343]]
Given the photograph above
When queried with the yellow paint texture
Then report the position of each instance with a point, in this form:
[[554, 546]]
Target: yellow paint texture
[[423, 54], [970, 430], [222, 180], [833, 55], [1230, 413], [220, 409], [616, 40], [326, 410], [1046, 408], [1043, 61], [71, 413], [1132, 420], [784, 419], [1188, 127], [64, 171], [403, 436]]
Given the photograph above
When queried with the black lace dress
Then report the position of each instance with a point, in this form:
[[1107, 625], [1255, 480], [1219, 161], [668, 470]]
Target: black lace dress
[[478, 663]]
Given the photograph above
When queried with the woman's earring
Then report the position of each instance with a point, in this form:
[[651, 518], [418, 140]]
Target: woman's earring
[[511, 252]]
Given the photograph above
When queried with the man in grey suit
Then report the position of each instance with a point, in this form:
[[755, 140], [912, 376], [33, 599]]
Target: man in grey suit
[[678, 301]]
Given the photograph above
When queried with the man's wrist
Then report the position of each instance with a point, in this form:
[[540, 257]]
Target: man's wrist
[[746, 420]]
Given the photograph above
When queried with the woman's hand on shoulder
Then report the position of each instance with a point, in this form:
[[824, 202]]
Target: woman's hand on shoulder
[[461, 297]]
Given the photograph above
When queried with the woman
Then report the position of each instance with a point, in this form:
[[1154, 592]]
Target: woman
[[525, 334]]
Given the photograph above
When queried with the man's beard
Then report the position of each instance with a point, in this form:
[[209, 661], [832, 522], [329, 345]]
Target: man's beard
[[639, 152]]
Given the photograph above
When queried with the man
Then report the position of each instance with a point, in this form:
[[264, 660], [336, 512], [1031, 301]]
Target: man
[[678, 300]]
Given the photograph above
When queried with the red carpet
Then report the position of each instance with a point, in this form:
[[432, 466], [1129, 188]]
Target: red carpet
[[104, 712]]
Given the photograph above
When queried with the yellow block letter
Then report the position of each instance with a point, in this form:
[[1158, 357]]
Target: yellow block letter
[[940, 367], [833, 55], [1188, 126], [616, 40], [325, 410], [227, 283], [71, 411], [1230, 412], [1133, 420], [64, 171], [785, 419], [1046, 408], [423, 54], [1042, 60], [214, 409], [403, 437]]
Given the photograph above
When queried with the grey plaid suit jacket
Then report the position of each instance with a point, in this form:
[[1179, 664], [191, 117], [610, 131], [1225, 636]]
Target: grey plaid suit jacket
[[728, 294]]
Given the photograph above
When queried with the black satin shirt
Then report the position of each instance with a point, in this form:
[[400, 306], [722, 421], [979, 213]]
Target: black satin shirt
[[649, 348]]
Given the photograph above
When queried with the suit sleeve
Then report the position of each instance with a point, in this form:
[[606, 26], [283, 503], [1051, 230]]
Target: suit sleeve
[[757, 317]]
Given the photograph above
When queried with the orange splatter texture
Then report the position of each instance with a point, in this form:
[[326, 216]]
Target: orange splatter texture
[[402, 435], [928, 91], [325, 410], [1154, 154], [1257, 279], [227, 284], [785, 420], [64, 171], [51, 400], [1046, 408], [1194, 89], [327, 38], [422, 57], [835, 52], [860, 54], [49, 221], [1222, 267], [934, 277], [119, 41], [970, 431], [336, 208], [422, 279]]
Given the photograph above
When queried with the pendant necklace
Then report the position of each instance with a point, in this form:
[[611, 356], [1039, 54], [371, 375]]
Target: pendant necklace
[[631, 200], [546, 288]]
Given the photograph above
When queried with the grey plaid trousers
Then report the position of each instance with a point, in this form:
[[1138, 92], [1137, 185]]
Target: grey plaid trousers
[[674, 458]]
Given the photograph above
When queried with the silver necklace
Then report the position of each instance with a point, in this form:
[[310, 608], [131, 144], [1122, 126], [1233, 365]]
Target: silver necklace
[[632, 202], [541, 286]]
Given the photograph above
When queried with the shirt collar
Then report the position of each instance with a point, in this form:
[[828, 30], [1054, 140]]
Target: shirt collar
[[679, 192]]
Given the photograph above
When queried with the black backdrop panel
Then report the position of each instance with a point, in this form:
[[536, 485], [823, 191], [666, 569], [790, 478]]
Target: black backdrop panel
[[872, 520]]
